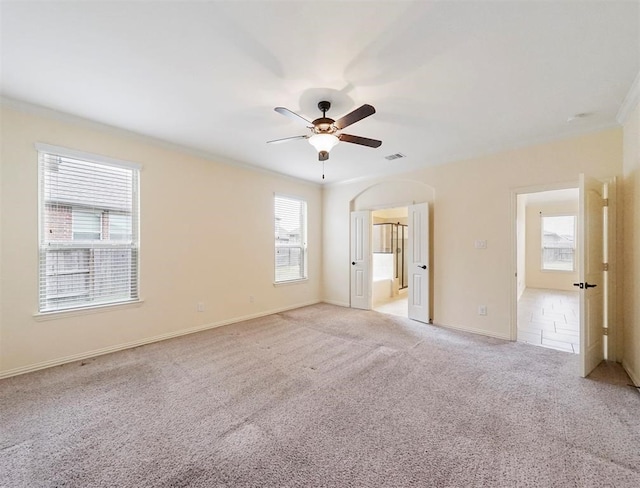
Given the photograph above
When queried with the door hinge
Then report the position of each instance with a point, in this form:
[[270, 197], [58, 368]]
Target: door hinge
[[605, 202], [605, 331], [605, 266]]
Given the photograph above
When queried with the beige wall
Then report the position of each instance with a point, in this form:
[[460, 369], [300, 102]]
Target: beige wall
[[472, 200], [535, 276], [631, 256], [185, 219], [206, 236]]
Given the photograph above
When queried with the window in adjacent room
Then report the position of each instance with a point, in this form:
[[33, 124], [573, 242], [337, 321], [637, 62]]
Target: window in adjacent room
[[88, 230], [558, 242], [290, 239]]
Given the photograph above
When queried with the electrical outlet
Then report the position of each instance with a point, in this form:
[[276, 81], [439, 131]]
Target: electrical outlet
[[481, 244], [200, 307], [482, 310]]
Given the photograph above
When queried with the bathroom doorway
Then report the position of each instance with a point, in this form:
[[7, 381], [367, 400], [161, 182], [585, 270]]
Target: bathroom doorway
[[389, 263]]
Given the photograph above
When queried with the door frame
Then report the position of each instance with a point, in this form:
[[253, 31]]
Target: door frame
[[384, 206], [612, 347]]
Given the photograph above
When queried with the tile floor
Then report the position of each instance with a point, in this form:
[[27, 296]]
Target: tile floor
[[550, 318], [547, 318], [398, 305]]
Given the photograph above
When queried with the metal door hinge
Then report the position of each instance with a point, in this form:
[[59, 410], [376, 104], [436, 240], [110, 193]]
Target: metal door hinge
[[605, 331], [605, 266], [605, 202]]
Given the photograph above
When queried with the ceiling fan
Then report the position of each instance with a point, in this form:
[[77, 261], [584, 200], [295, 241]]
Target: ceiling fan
[[326, 132]]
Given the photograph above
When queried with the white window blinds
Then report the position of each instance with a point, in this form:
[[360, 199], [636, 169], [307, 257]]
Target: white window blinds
[[88, 231], [291, 239]]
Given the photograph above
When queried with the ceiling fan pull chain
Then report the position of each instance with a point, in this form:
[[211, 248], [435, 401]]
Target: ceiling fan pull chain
[[323, 170]]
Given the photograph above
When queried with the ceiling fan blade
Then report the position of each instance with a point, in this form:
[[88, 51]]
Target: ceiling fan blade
[[287, 139], [363, 141], [292, 115], [355, 116]]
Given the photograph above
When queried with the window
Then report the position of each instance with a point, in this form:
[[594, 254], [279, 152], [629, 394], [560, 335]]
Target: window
[[558, 242], [291, 239], [88, 230], [86, 224], [119, 227]]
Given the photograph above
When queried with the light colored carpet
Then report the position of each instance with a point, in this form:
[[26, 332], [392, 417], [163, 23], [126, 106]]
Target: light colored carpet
[[322, 396]]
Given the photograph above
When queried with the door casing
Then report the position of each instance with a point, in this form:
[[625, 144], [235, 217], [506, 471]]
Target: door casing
[[612, 343], [361, 254]]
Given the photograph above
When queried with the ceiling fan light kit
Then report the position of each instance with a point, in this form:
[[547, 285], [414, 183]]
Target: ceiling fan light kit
[[323, 144], [325, 132]]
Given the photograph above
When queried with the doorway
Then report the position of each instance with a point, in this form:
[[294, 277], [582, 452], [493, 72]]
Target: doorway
[[548, 256], [416, 256], [595, 255], [389, 261]]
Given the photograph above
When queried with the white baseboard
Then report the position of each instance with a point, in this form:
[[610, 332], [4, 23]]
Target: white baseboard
[[338, 304], [141, 342], [475, 331], [635, 378]]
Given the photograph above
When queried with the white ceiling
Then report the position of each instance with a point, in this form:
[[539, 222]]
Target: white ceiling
[[448, 79]]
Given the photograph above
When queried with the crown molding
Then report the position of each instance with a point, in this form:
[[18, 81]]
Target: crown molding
[[630, 101], [42, 111], [489, 151]]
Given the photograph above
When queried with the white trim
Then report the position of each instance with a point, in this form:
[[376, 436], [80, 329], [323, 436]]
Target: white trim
[[72, 312], [142, 342], [303, 246], [564, 185], [513, 251], [68, 118], [337, 303], [85, 156], [462, 156], [473, 331], [630, 101], [290, 282], [634, 379]]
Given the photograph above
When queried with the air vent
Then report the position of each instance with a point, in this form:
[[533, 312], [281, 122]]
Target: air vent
[[391, 157]]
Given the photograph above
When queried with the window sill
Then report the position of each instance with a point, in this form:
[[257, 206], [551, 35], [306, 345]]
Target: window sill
[[61, 314], [290, 282]]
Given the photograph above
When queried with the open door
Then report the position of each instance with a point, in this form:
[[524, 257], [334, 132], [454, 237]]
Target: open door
[[591, 235], [361, 260], [418, 262]]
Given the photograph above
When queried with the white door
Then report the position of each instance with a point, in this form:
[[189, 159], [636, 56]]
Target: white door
[[591, 235], [361, 260], [418, 262]]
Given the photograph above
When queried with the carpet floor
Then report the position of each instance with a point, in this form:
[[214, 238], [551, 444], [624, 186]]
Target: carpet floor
[[322, 396]]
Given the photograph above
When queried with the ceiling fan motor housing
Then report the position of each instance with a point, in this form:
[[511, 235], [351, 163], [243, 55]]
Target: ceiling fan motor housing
[[324, 125]]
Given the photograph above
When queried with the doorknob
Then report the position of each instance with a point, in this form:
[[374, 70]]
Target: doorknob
[[353, 263], [587, 285], [424, 266], [579, 284]]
